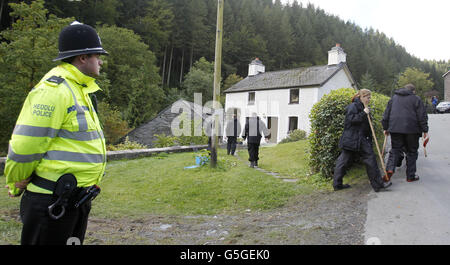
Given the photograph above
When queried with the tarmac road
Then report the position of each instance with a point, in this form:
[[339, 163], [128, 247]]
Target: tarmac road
[[416, 213]]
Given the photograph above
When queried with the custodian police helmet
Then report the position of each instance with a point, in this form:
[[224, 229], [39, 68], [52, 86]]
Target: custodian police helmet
[[76, 39]]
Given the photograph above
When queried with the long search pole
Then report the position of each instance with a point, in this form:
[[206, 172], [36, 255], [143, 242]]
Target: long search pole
[[376, 144], [217, 79]]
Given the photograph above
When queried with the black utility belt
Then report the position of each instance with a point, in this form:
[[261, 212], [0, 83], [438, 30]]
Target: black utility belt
[[66, 192]]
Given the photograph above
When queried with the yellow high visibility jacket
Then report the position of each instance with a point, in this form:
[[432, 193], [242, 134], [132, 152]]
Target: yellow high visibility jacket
[[57, 132]]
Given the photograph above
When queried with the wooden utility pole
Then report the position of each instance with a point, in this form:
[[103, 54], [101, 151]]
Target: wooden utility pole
[[1, 10], [217, 78]]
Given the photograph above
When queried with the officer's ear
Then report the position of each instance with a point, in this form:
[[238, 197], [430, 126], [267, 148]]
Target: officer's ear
[[79, 59], [83, 58]]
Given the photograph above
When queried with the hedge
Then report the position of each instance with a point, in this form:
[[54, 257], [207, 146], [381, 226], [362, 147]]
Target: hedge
[[327, 124]]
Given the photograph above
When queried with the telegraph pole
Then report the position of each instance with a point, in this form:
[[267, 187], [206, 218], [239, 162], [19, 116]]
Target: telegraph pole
[[217, 78]]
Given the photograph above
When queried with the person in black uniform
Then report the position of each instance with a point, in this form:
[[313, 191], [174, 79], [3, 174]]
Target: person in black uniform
[[254, 129], [357, 140], [405, 119], [232, 131]]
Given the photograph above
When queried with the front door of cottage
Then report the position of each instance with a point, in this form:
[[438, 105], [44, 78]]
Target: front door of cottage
[[272, 125]]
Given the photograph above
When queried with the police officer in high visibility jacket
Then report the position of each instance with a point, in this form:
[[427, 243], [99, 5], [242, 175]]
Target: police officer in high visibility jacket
[[57, 152]]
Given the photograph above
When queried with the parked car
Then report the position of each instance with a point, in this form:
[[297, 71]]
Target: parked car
[[443, 107]]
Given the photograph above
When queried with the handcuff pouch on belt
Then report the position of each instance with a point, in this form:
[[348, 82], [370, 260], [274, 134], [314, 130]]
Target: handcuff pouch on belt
[[64, 191]]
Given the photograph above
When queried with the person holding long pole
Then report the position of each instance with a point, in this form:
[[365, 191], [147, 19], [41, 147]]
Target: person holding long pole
[[357, 140]]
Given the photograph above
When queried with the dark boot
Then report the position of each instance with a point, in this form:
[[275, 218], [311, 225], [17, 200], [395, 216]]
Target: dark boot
[[252, 164], [341, 187], [413, 178], [385, 186]]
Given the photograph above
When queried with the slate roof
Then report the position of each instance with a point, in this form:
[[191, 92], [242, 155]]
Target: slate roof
[[161, 123], [300, 77]]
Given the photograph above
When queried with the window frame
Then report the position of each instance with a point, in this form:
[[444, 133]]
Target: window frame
[[290, 96], [254, 98], [289, 124]]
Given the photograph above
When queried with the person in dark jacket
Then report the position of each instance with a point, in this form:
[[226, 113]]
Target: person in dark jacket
[[405, 119], [357, 140], [254, 129], [232, 131]]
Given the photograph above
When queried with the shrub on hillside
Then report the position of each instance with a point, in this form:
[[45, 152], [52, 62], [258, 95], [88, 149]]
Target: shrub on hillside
[[294, 136], [164, 140], [169, 140], [114, 127], [327, 124], [126, 145]]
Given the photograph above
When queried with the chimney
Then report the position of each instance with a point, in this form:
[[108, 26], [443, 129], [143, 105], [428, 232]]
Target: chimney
[[336, 55], [256, 67]]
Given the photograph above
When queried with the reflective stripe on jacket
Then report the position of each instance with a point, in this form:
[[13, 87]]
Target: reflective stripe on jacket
[[58, 132]]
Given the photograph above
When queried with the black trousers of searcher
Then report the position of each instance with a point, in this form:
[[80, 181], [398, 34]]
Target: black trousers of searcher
[[367, 157], [408, 143], [40, 229], [253, 152], [231, 145]]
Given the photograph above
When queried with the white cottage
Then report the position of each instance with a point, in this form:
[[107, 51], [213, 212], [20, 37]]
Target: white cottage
[[284, 99]]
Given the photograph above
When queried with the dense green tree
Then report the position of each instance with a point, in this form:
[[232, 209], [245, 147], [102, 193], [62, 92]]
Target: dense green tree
[[90, 12], [418, 78], [241, 47], [25, 57], [367, 82], [227, 83], [155, 25], [114, 126], [200, 80], [133, 75]]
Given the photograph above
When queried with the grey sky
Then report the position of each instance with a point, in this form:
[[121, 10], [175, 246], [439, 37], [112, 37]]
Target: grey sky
[[419, 26]]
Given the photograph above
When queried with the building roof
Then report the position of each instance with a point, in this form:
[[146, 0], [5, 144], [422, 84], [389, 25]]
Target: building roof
[[300, 77], [161, 123]]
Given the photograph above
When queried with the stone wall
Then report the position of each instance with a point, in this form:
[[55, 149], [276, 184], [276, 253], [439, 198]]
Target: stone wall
[[137, 153]]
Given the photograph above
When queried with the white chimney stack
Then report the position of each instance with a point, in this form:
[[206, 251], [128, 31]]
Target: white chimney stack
[[336, 55], [256, 67]]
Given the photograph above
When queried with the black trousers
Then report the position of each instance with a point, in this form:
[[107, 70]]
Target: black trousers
[[253, 152], [231, 145], [40, 229], [345, 160], [408, 143]]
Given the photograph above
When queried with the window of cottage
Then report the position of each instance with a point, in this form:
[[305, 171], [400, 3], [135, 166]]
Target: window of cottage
[[293, 124], [251, 98], [294, 96]]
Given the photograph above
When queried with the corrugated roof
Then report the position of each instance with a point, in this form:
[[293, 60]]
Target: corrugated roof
[[300, 77]]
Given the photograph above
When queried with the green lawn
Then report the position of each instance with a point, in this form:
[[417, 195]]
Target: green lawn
[[290, 160], [161, 185]]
